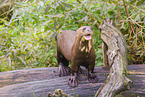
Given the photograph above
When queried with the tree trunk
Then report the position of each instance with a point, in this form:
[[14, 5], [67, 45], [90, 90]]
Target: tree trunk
[[117, 81]]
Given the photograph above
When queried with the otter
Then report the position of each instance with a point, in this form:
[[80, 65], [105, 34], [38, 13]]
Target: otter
[[77, 48]]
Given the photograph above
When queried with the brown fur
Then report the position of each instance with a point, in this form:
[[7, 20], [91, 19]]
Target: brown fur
[[73, 47]]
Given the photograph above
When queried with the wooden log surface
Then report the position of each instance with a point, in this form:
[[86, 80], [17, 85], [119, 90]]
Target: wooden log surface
[[40, 81], [115, 52]]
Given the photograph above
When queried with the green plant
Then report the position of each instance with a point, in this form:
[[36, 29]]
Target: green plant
[[28, 39]]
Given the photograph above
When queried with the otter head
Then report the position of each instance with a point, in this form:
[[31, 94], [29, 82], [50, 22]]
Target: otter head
[[85, 33]]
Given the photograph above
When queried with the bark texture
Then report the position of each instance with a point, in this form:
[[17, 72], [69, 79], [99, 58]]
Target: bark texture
[[117, 81], [40, 81]]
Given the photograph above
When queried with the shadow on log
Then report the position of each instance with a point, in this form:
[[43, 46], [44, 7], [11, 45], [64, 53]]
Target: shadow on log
[[116, 52]]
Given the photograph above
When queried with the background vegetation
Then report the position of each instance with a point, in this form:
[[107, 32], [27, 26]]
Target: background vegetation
[[28, 29]]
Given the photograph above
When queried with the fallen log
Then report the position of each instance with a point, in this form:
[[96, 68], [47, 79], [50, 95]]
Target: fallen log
[[40, 81]]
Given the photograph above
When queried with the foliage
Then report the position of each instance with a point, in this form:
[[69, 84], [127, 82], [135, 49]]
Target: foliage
[[28, 39], [58, 93]]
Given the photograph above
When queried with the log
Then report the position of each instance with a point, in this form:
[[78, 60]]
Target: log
[[40, 81], [116, 54]]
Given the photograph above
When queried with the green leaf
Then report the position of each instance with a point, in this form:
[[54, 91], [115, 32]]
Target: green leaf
[[132, 1], [133, 15], [60, 26], [67, 5], [47, 8], [61, 6], [136, 18], [53, 36], [16, 12], [21, 60], [55, 24], [140, 2]]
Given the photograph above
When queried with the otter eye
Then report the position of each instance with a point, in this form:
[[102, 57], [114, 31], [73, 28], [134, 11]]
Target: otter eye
[[84, 28]]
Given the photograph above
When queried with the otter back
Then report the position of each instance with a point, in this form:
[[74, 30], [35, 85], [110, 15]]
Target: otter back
[[65, 42]]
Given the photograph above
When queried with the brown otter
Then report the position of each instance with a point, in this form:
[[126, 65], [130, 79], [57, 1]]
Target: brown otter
[[76, 47]]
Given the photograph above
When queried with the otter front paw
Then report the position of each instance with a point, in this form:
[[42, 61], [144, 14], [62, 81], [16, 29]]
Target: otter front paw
[[80, 71], [64, 70], [73, 81], [92, 78]]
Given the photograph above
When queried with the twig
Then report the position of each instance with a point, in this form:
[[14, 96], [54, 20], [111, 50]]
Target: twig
[[127, 13], [6, 4], [137, 23]]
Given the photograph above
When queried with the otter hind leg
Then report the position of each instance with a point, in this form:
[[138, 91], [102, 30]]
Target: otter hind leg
[[64, 70], [92, 78]]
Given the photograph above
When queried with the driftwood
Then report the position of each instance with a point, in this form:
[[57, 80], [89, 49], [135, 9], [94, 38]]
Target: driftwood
[[115, 52]]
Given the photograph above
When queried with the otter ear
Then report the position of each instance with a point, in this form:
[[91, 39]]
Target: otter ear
[[91, 28], [84, 28]]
